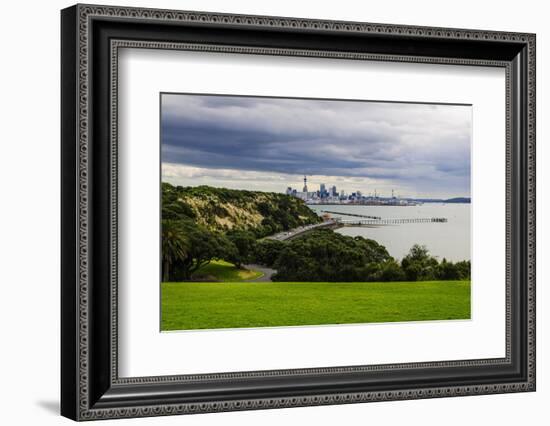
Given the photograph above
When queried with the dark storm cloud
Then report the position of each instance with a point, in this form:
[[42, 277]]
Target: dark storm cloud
[[408, 144], [208, 146]]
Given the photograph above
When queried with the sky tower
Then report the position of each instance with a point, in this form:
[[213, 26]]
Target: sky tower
[[305, 184]]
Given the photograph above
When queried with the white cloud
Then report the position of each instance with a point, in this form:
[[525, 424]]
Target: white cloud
[[178, 174]]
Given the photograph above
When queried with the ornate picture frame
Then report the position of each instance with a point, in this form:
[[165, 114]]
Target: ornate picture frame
[[91, 37]]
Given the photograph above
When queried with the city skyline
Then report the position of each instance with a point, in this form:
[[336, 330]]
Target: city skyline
[[325, 190], [269, 144]]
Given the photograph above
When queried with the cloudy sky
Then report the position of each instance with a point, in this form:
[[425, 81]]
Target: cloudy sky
[[267, 144]]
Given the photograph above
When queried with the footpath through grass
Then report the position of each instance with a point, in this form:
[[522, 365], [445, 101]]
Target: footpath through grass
[[189, 306]]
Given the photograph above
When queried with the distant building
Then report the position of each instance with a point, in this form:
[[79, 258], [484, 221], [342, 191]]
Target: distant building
[[323, 193], [332, 196]]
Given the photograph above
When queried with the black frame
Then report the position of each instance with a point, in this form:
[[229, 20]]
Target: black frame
[[90, 386]]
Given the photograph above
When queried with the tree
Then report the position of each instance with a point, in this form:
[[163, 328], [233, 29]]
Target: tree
[[201, 246], [175, 246], [245, 243], [293, 266], [391, 271], [418, 265], [412, 271], [324, 255], [417, 253], [448, 271], [268, 251], [173, 207], [464, 269]]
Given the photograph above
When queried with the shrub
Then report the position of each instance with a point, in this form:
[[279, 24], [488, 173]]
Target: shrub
[[391, 271]]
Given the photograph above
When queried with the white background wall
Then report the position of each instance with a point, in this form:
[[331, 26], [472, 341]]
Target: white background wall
[[29, 224]]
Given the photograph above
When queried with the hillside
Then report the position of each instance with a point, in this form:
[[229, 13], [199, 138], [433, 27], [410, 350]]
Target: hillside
[[459, 200], [221, 209]]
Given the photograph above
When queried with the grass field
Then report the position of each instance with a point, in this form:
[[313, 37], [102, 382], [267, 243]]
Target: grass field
[[189, 306], [227, 272]]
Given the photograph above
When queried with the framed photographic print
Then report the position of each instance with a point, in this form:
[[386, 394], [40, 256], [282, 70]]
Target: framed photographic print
[[263, 212]]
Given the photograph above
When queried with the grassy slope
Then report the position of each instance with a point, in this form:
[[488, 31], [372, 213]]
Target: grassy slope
[[222, 209], [187, 306], [221, 270]]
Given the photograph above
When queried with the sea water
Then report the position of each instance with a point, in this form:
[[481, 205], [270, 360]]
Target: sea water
[[449, 240]]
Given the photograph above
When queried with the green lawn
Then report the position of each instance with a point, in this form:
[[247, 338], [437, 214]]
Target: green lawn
[[221, 270], [188, 306]]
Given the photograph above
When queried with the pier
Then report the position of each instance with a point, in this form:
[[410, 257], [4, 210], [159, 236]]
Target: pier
[[338, 223], [390, 221], [352, 214]]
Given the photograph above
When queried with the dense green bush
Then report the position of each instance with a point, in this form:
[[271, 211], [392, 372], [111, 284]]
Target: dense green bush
[[324, 255]]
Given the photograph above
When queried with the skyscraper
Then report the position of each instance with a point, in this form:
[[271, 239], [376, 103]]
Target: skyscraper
[[305, 184]]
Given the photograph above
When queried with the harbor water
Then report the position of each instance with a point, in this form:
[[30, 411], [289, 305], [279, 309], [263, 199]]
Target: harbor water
[[450, 240]]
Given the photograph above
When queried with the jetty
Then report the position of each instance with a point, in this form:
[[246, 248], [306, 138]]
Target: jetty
[[390, 221], [352, 214], [335, 223]]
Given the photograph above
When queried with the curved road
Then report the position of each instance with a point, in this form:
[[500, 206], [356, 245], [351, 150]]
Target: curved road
[[287, 235], [267, 273]]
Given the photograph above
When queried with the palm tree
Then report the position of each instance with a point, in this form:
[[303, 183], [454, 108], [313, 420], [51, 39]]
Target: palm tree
[[174, 246]]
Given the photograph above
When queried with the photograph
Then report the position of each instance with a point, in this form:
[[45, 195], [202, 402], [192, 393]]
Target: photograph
[[264, 209], [279, 212]]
